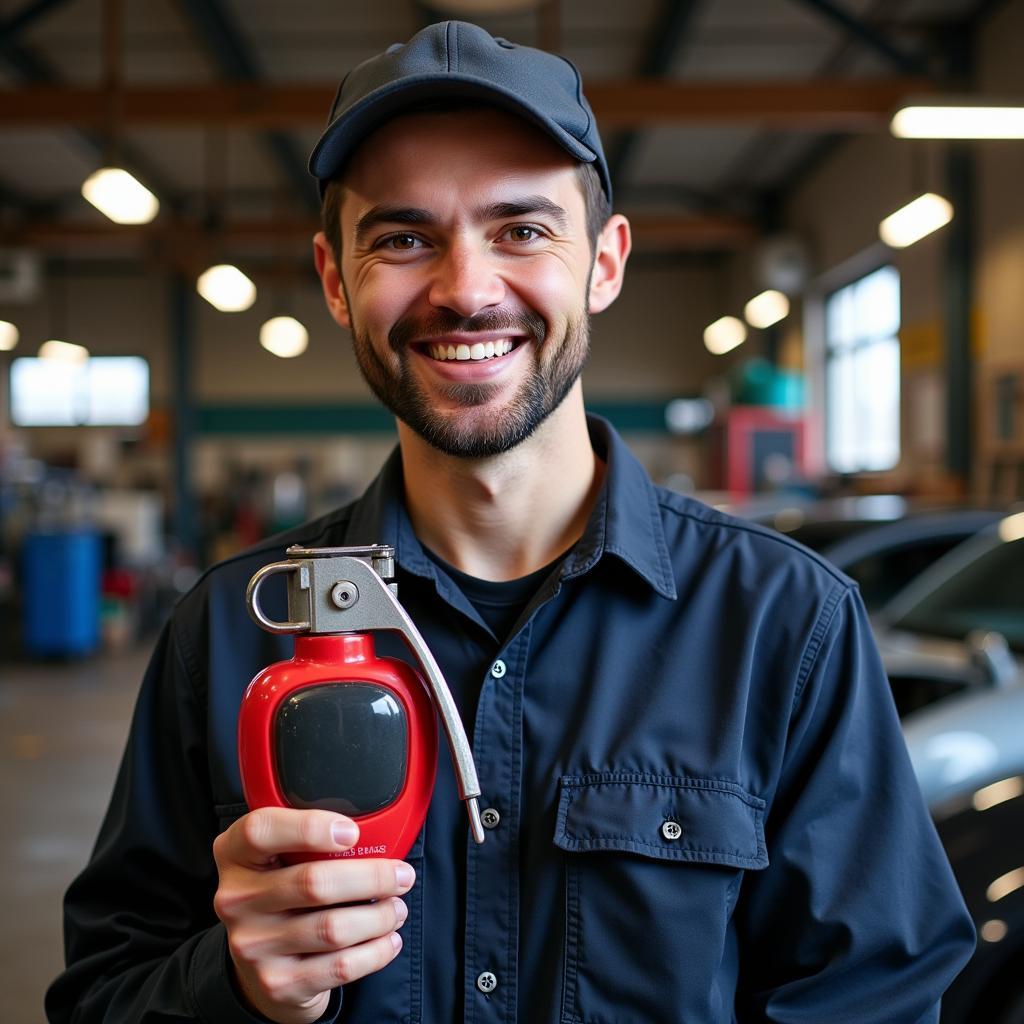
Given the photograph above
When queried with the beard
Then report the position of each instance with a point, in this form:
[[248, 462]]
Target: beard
[[547, 383]]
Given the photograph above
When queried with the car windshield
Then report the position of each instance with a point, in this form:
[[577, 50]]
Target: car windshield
[[987, 593], [883, 574]]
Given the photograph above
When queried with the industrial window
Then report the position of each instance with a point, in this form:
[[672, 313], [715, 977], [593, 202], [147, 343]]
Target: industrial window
[[100, 391], [862, 374]]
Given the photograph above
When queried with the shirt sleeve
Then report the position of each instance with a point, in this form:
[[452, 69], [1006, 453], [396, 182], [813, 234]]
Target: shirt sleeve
[[142, 943], [858, 916]]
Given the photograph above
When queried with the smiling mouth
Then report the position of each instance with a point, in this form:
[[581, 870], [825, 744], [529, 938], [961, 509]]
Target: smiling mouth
[[477, 352]]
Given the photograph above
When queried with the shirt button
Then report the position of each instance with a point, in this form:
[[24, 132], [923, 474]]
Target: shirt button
[[486, 982], [490, 818], [671, 829], [498, 669]]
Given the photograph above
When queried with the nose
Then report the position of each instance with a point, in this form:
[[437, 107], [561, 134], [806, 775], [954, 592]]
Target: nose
[[466, 280]]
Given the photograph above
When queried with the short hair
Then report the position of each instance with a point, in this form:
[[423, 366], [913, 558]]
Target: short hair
[[596, 204]]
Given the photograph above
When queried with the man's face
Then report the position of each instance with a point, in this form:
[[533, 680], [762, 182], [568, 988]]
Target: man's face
[[465, 270]]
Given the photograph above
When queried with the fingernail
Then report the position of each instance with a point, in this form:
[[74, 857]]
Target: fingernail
[[401, 910], [344, 833], [404, 875], [396, 941]]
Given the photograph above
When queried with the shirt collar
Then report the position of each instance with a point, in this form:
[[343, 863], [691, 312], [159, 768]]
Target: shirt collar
[[626, 520]]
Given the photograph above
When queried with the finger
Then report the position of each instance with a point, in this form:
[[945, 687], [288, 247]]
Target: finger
[[322, 883], [290, 982], [329, 970], [261, 836], [328, 931]]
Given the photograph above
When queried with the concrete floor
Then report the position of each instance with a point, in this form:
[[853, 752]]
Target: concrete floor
[[62, 728]]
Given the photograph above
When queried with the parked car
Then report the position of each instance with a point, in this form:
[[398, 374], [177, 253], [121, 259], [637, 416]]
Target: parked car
[[959, 624], [884, 558], [953, 645], [883, 541], [968, 753]]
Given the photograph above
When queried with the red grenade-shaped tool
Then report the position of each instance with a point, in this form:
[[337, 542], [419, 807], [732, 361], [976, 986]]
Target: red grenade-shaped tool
[[335, 726]]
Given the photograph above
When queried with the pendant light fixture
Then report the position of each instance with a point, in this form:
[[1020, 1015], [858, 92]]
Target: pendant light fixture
[[9, 335], [57, 348], [924, 214], [112, 189], [766, 309], [223, 285], [119, 195], [725, 334], [226, 288], [284, 336]]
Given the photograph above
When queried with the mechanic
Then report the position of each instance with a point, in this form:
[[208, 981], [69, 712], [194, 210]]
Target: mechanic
[[699, 802]]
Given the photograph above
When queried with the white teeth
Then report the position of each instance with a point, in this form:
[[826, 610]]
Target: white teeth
[[479, 350]]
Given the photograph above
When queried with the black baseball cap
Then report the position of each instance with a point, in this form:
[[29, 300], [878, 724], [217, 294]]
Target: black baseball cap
[[456, 60]]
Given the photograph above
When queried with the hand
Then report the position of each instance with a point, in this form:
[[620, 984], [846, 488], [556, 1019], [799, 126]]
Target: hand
[[290, 941]]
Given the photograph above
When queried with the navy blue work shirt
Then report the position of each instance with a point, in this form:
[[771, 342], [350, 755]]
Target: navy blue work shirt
[[704, 810]]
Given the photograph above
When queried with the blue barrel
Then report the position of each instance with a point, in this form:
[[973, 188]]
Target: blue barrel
[[62, 592]]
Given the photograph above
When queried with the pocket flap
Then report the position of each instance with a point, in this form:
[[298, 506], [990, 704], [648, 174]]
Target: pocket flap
[[718, 822]]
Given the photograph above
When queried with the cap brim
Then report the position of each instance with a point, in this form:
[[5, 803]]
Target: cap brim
[[349, 130]]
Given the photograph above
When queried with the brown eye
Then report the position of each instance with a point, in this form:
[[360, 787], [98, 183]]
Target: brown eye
[[522, 233], [403, 242]]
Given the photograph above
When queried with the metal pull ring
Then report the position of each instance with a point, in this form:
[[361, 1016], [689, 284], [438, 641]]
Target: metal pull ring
[[253, 603]]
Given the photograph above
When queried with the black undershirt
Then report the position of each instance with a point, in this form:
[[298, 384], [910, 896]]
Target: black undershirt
[[499, 603]]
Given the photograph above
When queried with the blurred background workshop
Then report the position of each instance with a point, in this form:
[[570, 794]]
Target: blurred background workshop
[[822, 329]]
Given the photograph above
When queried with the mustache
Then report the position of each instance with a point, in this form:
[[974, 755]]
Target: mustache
[[443, 321]]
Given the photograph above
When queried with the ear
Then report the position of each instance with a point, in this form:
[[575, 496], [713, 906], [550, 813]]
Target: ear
[[330, 279], [613, 245]]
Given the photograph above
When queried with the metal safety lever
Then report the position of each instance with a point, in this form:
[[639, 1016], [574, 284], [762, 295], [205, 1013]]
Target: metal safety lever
[[350, 590]]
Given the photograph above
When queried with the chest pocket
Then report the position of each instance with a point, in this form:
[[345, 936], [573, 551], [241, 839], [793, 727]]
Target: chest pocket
[[653, 866]]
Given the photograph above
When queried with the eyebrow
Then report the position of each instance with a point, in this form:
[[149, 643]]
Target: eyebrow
[[526, 206], [520, 206], [383, 214]]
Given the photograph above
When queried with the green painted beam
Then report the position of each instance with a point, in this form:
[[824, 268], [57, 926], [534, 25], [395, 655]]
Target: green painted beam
[[638, 416]]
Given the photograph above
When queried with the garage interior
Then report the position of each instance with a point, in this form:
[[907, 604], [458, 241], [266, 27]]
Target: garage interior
[[778, 346]]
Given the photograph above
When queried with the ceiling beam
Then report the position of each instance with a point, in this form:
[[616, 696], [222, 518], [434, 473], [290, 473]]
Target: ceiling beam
[[902, 60], [215, 27], [91, 135], [664, 41], [176, 236], [13, 25], [852, 105]]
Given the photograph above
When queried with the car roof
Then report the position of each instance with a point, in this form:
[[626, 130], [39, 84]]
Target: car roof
[[1007, 529], [966, 742], [918, 527]]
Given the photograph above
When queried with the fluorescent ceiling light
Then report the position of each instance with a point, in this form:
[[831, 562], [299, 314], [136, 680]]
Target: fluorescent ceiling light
[[912, 222], [961, 120], [226, 288], [8, 335], [63, 351], [119, 196], [724, 335], [284, 336], [766, 309]]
